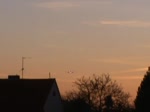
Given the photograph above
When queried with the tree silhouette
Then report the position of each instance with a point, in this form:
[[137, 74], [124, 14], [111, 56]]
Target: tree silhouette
[[75, 105], [101, 93], [108, 103], [142, 101]]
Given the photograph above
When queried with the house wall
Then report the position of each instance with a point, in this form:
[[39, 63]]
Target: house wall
[[53, 103]]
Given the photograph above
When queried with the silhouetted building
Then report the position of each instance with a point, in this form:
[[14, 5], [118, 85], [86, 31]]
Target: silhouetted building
[[29, 95]]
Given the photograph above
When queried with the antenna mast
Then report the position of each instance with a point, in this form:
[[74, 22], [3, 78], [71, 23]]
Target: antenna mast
[[23, 65], [49, 75]]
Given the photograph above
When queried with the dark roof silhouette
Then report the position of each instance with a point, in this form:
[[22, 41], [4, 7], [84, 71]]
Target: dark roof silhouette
[[24, 95]]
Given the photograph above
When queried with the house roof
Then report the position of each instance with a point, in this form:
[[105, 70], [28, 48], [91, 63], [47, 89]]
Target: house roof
[[24, 95]]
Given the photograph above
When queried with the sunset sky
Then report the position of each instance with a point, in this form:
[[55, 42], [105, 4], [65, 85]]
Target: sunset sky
[[83, 36]]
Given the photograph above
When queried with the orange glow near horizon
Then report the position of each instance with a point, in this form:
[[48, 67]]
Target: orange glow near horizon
[[84, 36]]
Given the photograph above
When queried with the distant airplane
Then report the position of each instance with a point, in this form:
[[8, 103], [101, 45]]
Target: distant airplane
[[70, 72]]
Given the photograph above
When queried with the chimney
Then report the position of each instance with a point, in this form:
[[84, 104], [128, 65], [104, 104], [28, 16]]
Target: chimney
[[13, 77]]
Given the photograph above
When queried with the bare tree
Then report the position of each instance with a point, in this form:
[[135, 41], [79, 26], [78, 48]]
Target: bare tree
[[96, 89]]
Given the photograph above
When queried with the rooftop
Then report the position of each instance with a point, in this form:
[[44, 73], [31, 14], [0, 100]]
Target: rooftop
[[23, 95]]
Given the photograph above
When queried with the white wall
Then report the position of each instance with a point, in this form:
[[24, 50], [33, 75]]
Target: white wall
[[53, 103]]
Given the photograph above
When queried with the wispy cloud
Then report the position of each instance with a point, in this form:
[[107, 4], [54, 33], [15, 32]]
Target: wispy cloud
[[103, 2], [128, 77], [134, 70], [134, 23], [128, 23], [57, 5], [130, 60], [114, 61]]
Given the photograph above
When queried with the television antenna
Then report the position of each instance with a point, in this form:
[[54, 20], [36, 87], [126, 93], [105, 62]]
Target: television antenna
[[23, 58], [49, 75]]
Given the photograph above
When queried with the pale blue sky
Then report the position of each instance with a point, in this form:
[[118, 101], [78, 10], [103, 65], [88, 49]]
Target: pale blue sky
[[84, 36]]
